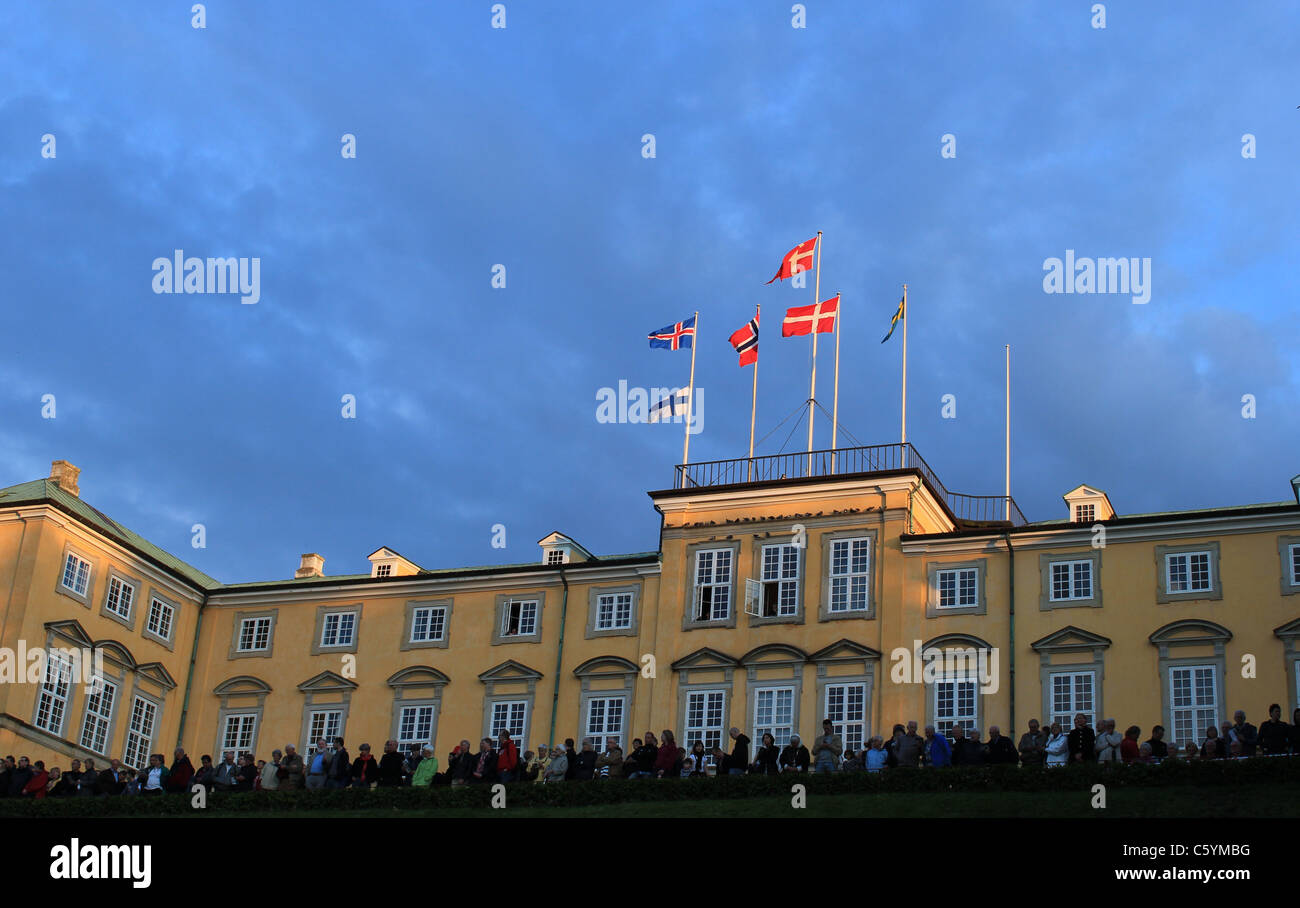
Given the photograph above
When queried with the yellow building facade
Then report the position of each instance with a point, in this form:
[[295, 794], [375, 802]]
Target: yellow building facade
[[851, 585]]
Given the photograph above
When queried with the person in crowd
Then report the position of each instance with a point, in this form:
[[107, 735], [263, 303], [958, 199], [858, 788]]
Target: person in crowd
[[19, 776], [1145, 754], [1159, 749], [973, 751], [646, 756], [292, 769], [666, 759], [768, 759], [227, 773], [688, 767], [937, 752], [269, 774], [155, 776], [88, 780], [466, 763], [999, 748], [609, 765], [827, 748], [738, 763], [1213, 747], [572, 756], [585, 770], [339, 773], [317, 765], [60, 784], [1274, 735], [426, 769], [1056, 752], [535, 764], [876, 757], [721, 761], [1107, 742], [507, 757], [910, 749], [392, 768], [1245, 733], [1082, 741], [246, 775], [365, 769], [7, 766], [1129, 749], [37, 785], [110, 779], [72, 777], [205, 775], [1191, 751], [181, 772], [853, 762], [958, 733], [557, 770], [485, 764], [1033, 744], [891, 746]]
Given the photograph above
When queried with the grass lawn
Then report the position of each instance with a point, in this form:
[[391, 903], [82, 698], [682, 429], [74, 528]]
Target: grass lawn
[[1185, 801]]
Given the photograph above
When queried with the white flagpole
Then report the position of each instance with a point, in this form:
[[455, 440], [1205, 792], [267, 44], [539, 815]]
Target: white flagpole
[[835, 407], [812, 393], [753, 407], [1008, 439], [690, 400], [905, 367]]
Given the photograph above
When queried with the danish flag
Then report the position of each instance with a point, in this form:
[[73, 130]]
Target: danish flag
[[800, 258], [801, 319], [746, 342]]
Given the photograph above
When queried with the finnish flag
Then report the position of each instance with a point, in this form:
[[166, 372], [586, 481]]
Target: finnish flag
[[670, 406]]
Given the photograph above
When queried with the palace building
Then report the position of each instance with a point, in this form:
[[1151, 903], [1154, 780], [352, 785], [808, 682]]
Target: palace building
[[849, 584]]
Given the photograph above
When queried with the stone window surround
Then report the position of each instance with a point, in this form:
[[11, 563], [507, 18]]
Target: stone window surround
[[593, 600], [239, 618], [824, 612], [134, 612], [70, 549], [322, 611], [756, 559], [502, 601], [409, 623], [932, 607], [689, 621], [224, 695], [1216, 579], [1045, 561], [170, 641], [1284, 544], [1166, 662], [607, 668]]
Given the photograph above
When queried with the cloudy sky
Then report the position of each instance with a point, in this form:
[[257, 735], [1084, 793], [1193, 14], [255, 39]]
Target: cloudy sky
[[523, 147]]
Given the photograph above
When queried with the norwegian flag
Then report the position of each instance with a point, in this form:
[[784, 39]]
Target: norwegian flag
[[745, 341], [674, 337], [800, 258], [801, 319]]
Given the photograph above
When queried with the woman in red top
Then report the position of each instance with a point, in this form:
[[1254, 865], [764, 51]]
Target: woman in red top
[[666, 759], [1129, 748], [39, 781]]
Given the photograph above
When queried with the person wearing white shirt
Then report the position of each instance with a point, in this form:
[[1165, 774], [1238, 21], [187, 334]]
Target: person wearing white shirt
[[1057, 747]]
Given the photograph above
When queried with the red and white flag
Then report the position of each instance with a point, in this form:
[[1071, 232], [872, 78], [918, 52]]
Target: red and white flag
[[800, 258], [806, 319], [746, 342]]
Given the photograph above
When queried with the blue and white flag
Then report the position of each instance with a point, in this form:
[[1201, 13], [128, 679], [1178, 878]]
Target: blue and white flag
[[671, 406]]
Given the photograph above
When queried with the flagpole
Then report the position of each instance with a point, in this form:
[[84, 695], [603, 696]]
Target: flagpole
[[690, 400], [812, 393], [753, 407], [835, 407], [904, 371], [1008, 438]]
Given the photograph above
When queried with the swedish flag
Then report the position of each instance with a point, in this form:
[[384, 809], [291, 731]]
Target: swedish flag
[[898, 316]]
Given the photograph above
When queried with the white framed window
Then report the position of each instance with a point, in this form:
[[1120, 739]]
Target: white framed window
[[120, 597], [414, 727], [139, 735], [780, 580], [1072, 693], [511, 716], [604, 720], [1085, 513], [238, 733], [383, 570], [954, 704], [1188, 572], [76, 573], [846, 707], [555, 556], [1193, 703], [323, 723], [850, 574], [704, 718], [1294, 559], [958, 588], [52, 703], [1071, 580], [519, 618], [428, 624], [613, 611], [339, 629], [713, 584], [161, 616], [254, 634], [100, 701], [773, 714]]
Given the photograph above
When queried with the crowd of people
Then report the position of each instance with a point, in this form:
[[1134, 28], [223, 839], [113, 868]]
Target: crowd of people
[[330, 766]]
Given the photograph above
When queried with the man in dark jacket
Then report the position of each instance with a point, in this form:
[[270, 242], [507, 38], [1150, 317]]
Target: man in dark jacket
[[738, 764], [182, 770], [461, 765], [6, 770], [484, 764], [586, 768], [203, 775], [795, 756], [340, 771], [227, 773], [572, 755], [1274, 734], [246, 775], [19, 776], [110, 780], [392, 768], [1080, 741], [972, 751], [1000, 749], [1159, 749], [1246, 734], [1033, 744]]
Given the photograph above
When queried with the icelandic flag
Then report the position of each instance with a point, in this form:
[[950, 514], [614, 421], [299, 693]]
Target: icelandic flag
[[674, 337], [674, 404]]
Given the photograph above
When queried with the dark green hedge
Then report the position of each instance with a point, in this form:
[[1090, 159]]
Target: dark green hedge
[[1211, 774]]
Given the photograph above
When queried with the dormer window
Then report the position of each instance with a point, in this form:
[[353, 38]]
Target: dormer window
[[1085, 513], [555, 556], [383, 570]]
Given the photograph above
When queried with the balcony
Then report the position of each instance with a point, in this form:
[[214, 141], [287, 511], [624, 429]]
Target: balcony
[[969, 511]]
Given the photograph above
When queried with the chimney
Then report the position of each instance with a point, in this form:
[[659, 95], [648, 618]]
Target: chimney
[[312, 565], [64, 475]]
